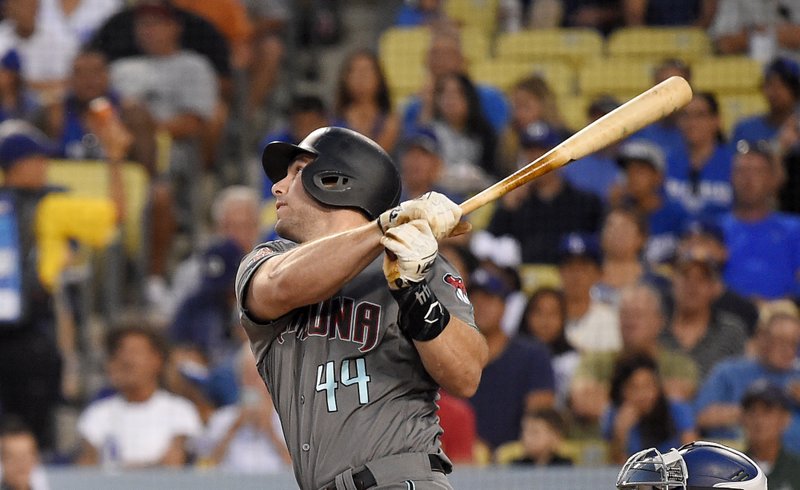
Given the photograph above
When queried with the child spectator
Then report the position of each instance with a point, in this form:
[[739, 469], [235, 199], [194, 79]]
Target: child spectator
[[20, 467], [543, 433]]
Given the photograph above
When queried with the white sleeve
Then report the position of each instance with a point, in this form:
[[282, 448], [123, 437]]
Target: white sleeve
[[729, 19], [199, 96], [92, 424], [185, 419]]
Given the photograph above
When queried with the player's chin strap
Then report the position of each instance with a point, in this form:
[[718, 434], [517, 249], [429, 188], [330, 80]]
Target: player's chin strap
[[422, 316]]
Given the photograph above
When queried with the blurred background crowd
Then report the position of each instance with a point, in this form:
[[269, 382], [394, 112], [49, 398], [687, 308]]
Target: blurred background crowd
[[646, 295]]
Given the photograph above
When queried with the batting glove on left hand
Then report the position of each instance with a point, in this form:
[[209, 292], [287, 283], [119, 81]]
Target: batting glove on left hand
[[441, 213], [411, 250]]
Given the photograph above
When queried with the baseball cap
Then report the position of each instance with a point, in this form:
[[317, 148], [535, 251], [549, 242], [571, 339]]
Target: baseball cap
[[641, 151], [423, 138], [11, 61], [579, 244], [539, 134], [788, 71], [483, 279], [20, 140], [693, 256], [768, 393], [703, 226]]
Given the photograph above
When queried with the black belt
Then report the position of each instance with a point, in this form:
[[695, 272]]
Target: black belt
[[365, 479]]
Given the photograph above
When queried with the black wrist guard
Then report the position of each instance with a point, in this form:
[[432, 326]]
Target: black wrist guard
[[421, 316]]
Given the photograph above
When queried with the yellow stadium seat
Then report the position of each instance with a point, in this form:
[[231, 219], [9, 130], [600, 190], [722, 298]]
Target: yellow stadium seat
[[481, 14], [574, 46], [732, 108], [475, 44], [508, 452], [573, 110], [402, 55], [726, 75], [89, 178], [622, 78], [658, 43], [503, 74]]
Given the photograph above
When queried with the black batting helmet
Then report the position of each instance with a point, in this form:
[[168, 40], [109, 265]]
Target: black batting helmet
[[350, 170]]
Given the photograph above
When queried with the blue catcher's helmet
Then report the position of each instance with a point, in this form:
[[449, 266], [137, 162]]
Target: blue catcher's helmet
[[699, 465]]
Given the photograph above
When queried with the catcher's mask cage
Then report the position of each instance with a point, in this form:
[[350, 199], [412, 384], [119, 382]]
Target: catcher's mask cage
[[700, 465], [349, 170]]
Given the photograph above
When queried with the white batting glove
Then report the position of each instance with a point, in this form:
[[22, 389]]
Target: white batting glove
[[441, 213], [411, 249]]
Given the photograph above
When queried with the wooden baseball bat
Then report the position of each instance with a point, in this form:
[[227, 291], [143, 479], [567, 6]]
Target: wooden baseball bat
[[646, 108]]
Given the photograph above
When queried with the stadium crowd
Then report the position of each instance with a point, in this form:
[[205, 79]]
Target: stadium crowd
[[644, 296]]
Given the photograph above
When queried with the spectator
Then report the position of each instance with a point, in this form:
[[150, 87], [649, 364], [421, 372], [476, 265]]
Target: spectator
[[20, 467], [766, 413], [641, 415], [246, 437], [204, 312], [362, 100], [762, 30], [445, 57], [644, 166], [597, 172], [44, 68], [518, 376], [591, 325], [532, 101], [763, 244], [179, 89], [622, 240], [141, 425], [642, 319], [665, 132], [699, 172], [781, 89], [718, 403], [34, 242], [539, 214], [467, 139], [17, 101], [544, 319], [697, 13], [543, 433], [788, 146], [706, 238], [421, 165], [706, 334], [116, 37]]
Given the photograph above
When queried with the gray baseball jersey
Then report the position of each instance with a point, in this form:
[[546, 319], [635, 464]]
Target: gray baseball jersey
[[348, 385]]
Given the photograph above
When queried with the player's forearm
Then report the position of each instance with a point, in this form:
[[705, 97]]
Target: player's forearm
[[311, 272], [455, 358]]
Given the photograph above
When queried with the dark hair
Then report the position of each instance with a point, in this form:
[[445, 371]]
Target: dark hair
[[477, 125], [467, 257], [549, 416], [13, 425], [560, 345], [155, 339], [343, 96], [306, 103], [713, 106], [656, 426], [675, 64], [639, 219]]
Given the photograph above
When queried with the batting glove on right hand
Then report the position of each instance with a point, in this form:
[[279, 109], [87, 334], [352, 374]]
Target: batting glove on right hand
[[441, 213], [411, 250]]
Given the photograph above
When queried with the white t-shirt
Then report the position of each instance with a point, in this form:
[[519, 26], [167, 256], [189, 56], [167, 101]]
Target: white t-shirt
[[137, 433], [597, 330], [82, 23], [250, 451], [46, 55]]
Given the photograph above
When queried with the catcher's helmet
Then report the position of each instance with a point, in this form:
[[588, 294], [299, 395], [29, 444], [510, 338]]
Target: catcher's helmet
[[699, 465], [350, 170]]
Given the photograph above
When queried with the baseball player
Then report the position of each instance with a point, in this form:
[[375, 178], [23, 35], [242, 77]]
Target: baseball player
[[354, 328]]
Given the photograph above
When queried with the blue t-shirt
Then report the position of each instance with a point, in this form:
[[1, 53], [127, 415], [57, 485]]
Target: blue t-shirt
[[595, 173], [523, 367], [709, 193], [682, 417], [493, 103], [727, 383], [665, 225], [764, 256], [754, 128], [668, 137]]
